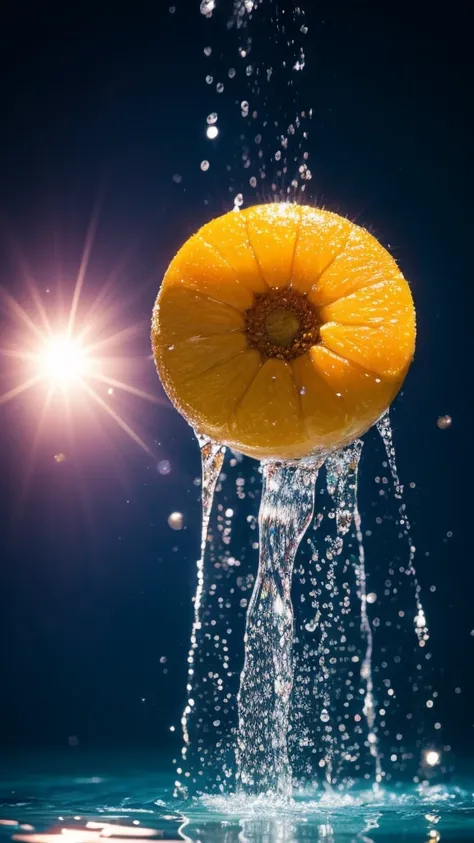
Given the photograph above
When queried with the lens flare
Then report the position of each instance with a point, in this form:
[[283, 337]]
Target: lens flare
[[62, 361], [72, 348]]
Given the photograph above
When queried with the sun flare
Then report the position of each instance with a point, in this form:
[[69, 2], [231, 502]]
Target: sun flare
[[79, 355], [63, 361]]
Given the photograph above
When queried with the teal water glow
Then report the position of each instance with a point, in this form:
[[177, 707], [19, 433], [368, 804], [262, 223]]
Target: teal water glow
[[129, 799]]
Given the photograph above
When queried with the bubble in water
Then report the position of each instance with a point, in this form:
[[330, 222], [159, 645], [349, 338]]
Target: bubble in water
[[212, 132], [371, 597], [209, 80], [444, 422], [204, 165], [324, 716], [207, 51], [176, 520], [231, 72], [219, 87], [164, 467], [177, 178], [212, 118], [238, 200]]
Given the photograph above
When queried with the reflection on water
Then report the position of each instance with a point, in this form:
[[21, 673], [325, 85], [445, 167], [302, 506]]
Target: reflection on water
[[136, 807]]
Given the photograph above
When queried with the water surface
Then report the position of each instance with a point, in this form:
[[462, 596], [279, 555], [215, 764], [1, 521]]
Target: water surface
[[130, 798]]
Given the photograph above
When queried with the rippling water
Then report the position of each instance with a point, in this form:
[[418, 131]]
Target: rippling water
[[132, 799]]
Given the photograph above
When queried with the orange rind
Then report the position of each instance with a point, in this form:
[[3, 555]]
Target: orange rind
[[283, 330]]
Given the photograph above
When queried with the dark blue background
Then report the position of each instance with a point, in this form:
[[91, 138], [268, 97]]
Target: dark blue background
[[101, 108]]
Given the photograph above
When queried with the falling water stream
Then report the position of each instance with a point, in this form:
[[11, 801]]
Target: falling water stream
[[266, 683], [212, 457], [297, 702]]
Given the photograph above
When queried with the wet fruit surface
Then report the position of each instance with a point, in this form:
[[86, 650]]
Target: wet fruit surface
[[282, 330]]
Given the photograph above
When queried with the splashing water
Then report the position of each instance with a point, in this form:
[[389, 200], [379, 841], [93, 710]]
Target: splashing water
[[212, 457], [366, 630], [385, 431], [340, 746], [299, 702], [272, 157], [286, 511]]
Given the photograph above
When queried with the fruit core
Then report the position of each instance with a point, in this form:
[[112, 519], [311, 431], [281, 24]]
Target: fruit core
[[282, 324]]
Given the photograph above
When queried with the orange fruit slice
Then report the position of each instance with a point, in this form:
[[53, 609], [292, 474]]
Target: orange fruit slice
[[283, 330]]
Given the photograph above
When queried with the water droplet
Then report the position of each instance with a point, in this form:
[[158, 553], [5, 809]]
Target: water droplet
[[176, 520], [204, 166], [207, 7]]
